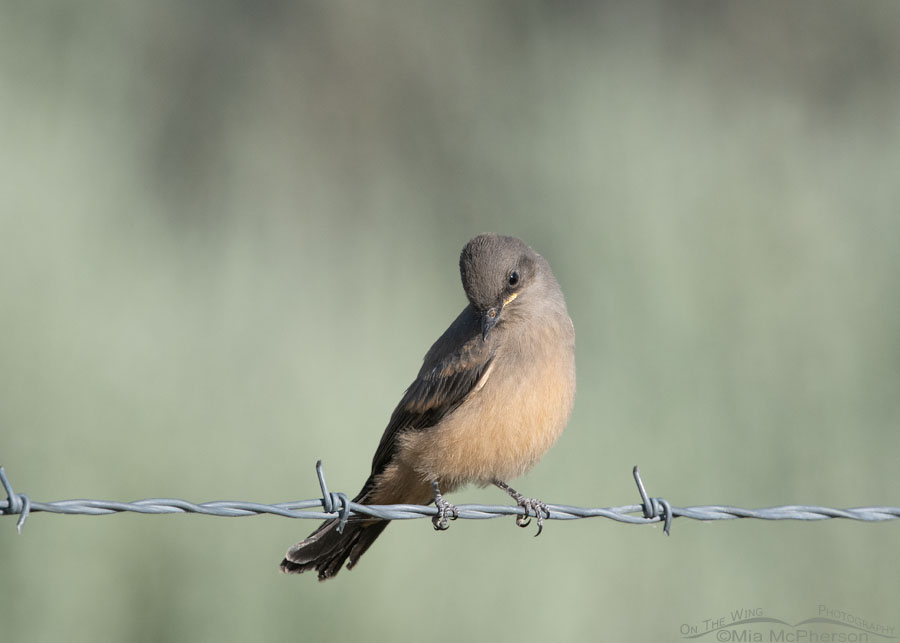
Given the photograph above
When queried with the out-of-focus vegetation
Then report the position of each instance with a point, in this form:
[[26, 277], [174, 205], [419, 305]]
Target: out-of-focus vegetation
[[229, 232]]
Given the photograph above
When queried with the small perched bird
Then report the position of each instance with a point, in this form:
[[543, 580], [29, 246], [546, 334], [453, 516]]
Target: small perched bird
[[493, 394]]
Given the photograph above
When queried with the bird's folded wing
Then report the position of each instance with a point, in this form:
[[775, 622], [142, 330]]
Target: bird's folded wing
[[435, 393]]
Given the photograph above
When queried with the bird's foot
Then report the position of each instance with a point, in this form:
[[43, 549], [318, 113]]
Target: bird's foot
[[534, 506], [530, 505], [445, 510]]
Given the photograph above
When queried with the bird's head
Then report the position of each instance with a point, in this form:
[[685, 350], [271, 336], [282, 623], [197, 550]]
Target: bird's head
[[496, 270]]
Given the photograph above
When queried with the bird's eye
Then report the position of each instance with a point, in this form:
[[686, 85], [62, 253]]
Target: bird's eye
[[513, 277]]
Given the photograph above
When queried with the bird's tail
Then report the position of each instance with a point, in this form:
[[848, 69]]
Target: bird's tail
[[326, 549]]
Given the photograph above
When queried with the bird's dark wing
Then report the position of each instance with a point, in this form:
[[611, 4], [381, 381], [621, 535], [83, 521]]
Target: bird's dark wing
[[452, 368]]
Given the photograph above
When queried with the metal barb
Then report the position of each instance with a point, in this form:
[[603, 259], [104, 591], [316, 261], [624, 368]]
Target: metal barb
[[654, 507], [15, 503], [333, 502]]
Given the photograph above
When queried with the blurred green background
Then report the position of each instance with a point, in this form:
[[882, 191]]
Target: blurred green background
[[229, 233]]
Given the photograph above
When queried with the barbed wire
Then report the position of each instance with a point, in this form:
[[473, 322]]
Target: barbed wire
[[337, 505]]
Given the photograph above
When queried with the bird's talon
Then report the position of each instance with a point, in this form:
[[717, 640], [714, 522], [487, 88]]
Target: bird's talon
[[530, 505], [440, 520], [444, 509], [540, 521], [537, 507]]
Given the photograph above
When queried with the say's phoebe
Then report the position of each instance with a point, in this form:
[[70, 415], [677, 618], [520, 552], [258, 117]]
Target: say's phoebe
[[493, 394]]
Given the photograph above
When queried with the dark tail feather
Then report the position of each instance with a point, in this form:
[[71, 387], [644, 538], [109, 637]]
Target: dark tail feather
[[326, 549]]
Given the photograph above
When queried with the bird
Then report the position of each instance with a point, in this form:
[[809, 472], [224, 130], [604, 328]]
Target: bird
[[494, 393]]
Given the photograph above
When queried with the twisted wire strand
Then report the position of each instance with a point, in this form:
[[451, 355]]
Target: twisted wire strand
[[336, 505]]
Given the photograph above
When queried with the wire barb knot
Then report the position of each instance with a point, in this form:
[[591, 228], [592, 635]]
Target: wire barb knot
[[16, 503], [335, 502], [654, 508]]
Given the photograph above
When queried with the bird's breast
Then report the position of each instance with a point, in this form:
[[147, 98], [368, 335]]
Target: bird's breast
[[514, 414]]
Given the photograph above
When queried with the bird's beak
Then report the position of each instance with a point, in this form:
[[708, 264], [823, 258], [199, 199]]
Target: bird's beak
[[492, 316]]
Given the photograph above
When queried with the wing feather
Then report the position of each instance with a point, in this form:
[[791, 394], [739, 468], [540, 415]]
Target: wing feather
[[451, 371]]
